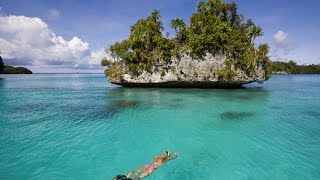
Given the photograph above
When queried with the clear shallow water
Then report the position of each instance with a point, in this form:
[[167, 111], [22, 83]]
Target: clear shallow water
[[81, 127]]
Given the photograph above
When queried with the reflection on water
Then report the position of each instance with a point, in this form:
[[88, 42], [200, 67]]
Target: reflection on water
[[1, 82], [175, 103], [106, 112], [121, 104]]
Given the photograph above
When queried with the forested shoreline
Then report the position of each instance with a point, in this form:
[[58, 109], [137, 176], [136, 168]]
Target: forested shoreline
[[292, 67], [6, 69]]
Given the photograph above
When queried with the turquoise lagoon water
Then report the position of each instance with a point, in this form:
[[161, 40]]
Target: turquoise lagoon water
[[81, 127]]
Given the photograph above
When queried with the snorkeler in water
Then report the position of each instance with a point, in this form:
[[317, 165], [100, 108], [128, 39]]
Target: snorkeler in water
[[146, 170]]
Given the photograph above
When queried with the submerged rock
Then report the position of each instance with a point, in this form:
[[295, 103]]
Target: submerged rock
[[118, 104], [232, 115]]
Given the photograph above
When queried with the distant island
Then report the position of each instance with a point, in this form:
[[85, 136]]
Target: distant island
[[292, 67], [5, 69], [217, 49]]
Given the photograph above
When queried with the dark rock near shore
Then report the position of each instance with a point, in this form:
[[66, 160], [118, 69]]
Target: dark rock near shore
[[184, 84]]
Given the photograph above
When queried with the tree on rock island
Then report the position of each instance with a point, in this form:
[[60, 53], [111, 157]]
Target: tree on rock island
[[215, 28]]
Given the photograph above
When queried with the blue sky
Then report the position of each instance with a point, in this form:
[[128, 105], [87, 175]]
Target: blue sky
[[291, 28]]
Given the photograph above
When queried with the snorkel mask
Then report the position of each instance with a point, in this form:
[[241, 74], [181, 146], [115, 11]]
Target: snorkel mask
[[167, 153]]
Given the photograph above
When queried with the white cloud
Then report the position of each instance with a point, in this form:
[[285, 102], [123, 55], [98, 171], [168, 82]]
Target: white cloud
[[54, 14], [283, 41], [29, 41], [98, 55], [281, 38], [283, 46]]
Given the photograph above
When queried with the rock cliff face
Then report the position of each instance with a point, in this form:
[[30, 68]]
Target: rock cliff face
[[186, 72]]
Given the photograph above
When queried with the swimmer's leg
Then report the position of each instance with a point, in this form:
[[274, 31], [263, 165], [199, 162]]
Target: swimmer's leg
[[146, 173], [136, 171]]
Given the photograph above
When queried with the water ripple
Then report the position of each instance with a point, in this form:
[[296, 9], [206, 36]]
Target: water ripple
[[80, 127]]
